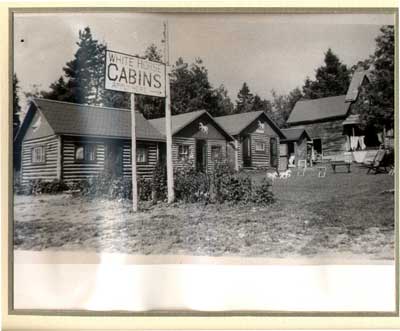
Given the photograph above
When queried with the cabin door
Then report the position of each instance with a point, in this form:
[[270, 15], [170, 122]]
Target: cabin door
[[246, 148], [113, 159], [273, 152], [201, 155]]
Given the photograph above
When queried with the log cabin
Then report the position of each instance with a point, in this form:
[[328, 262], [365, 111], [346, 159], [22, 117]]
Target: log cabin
[[256, 139], [294, 147], [330, 121], [196, 138], [70, 142]]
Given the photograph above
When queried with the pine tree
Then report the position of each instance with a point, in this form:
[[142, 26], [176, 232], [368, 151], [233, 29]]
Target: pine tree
[[331, 79], [16, 106], [84, 74], [245, 100], [283, 105], [376, 102]]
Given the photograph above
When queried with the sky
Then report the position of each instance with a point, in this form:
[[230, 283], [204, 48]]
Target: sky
[[267, 51]]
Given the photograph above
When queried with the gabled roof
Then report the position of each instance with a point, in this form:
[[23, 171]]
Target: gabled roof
[[236, 123], [294, 134], [180, 121], [319, 109], [356, 81], [67, 118]]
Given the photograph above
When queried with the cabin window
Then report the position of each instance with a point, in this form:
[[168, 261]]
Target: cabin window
[[85, 153], [317, 143], [38, 154], [260, 146], [142, 155], [183, 152], [216, 153]]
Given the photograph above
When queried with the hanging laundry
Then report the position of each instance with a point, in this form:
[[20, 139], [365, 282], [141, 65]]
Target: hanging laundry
[[353, 143], [348, 145], [361, 142]]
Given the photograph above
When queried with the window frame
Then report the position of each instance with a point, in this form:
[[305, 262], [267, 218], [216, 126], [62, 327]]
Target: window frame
[[213, 158], [146, 154], [263, 150], [85, 152], [43, 147], [185, 156]]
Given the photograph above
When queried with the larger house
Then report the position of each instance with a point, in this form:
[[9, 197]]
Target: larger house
[[196, 138], [331, 122], [66, 141], [256, 139]]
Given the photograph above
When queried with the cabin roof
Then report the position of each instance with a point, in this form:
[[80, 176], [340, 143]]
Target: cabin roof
[[319, 109], [180, 121], [236, 123], [356, 81], [352, 120], [294, 134], [74, 119]]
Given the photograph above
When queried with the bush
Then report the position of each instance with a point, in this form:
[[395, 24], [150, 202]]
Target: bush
[[159, 182], [219, 185], [191, 185], [262, 194], [105, 185], [38, 186]]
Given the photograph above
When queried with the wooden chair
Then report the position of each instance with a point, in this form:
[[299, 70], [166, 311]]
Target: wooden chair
[[301, 167], [378, 162]]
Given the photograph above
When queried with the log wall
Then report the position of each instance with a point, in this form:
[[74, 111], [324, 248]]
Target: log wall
[[47, 170], [331, 134]]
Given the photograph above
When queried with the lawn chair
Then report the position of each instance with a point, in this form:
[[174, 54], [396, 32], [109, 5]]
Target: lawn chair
[[301, 167], [378, 162]]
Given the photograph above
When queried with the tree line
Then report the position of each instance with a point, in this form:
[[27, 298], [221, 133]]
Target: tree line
[[82, 82]]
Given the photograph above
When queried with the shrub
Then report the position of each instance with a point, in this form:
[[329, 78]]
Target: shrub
[[144, 189], [191, 185], [159, 182], [38, 186], [262, 194]]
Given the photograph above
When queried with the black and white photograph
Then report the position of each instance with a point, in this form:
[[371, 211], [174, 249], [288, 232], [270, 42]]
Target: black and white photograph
[[162, 138]]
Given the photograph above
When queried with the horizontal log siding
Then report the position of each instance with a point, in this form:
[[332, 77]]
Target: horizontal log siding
[[46, 171], [176, 141], [331, 133], [215, 142], [73, 171], [262, 159], [143, 170]]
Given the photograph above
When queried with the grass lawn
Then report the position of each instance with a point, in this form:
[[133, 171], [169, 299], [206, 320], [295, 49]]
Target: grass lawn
[[342, 215]]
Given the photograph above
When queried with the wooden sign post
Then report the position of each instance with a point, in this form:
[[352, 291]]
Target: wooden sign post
[[133, 155], [126, 73], [168, 121]]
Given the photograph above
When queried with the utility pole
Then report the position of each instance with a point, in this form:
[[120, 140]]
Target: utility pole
[[133, 155], [168, 122]]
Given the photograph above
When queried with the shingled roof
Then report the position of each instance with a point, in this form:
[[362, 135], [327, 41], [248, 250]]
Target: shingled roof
[[356, 81], [294, 134], [319, 109], [236, 123], [73, 119], [180, 121]]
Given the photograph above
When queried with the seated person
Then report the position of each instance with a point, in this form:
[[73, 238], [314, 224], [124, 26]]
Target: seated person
[[292, 161]]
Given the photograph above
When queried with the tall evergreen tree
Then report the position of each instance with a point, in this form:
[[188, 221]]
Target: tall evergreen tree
[[376, 101], [84, 75], [283, 105], [16, 106], [245, 100], [331, 79]]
